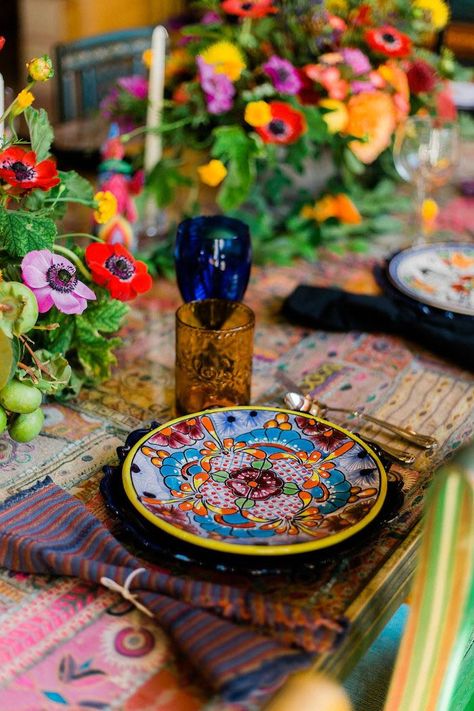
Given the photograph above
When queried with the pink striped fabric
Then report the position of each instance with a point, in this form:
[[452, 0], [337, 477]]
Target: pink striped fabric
[[46, 530]]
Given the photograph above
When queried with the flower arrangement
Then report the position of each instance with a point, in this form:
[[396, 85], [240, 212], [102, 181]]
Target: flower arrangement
[[263, 88], [60, 303]]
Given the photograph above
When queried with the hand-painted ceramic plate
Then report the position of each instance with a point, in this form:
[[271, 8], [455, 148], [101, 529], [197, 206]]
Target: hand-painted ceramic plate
[[256, 481], [441, 275]]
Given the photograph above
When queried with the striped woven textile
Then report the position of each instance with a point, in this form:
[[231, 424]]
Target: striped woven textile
[[442, 611], [46, 530]]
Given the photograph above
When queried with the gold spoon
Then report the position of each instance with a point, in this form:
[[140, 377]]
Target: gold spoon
[[319, 408]]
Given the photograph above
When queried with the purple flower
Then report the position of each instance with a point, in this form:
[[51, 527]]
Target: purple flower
[[53, 280], [283, 75], [136, 85], [218, 89], [358, 87], [210, 18], [357, 60]]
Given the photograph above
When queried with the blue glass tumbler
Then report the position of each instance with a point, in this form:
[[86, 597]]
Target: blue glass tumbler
[[212, 258]]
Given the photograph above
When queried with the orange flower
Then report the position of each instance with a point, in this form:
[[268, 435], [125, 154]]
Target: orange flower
[[347, 211], [339, 206], [372, 117], [397, 78]]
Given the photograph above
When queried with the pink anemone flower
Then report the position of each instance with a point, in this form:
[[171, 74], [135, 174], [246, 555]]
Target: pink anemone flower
[[53, 280]]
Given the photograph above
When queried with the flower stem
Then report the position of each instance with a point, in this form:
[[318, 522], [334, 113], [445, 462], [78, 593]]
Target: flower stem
[[79, 234], [74, 258]]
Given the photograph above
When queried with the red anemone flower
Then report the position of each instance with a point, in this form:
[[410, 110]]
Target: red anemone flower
[[115, 268], [389, 41], [285, 126], [2, 42], [251, 8], [19, 168]]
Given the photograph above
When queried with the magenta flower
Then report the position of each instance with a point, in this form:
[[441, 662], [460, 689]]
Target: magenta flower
[[53, 280], [283, 74], [357, 60], [136, 85], [218, 88], [210, 18]]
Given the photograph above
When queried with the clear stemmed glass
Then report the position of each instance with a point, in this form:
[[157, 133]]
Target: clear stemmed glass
[[425, 154]]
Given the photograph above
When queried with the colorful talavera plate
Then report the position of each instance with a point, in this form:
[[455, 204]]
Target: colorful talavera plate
[[441, 275], [254, 481]]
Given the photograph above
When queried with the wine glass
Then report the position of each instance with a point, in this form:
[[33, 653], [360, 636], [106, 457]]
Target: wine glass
[[425, 154], [212, 258]]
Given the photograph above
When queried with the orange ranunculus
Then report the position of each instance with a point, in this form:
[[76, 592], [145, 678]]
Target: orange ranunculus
[[397, 78], [372, 117], [339, 206], [347, 212]]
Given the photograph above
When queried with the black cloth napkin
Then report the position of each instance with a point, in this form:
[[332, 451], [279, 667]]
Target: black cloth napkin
[[331, 309]]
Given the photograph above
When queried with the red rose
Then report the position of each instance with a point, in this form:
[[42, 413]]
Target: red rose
[[115, 268], [389, 41], [421, 76], [19, 168], [286, 125]]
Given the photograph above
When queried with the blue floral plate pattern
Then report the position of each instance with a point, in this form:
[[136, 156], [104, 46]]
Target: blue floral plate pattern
[[254, 481]]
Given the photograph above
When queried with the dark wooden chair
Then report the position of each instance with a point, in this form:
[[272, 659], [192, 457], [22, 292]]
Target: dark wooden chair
[[87, 68]]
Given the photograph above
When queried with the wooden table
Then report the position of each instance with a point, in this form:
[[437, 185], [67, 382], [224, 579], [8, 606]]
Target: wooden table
[[55, 630]]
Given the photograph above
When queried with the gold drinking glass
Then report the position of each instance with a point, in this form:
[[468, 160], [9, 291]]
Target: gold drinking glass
[[214, 346]]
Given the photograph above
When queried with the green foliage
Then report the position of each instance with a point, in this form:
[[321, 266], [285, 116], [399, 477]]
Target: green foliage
[[52, 377], [94, 351], [238, 150], [21, 232], [164, 179], [82, 336], [41, 132]]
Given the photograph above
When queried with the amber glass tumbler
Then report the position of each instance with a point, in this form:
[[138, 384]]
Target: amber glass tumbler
[[214, 346]]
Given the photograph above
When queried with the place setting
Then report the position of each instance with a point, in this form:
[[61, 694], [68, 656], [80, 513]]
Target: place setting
[[236, 356]]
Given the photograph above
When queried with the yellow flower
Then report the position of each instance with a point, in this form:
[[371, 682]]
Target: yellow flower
[[40, 68], [24, 99], [307, 212], [106, 206], [147, 57], [337, 7], [429, 213], [226, 59], [436, 12], [337, 117], [325, 208], [258, 113], [212, 173]]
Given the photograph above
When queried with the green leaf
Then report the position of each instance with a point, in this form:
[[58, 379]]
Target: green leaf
[[317, 128], [261, 464], [94, 351], [106, 314], [352, 163], [290, 488], [297, 153], [58, 368], [163, 181], [41, 132], [243, 503], [21, 232], [238, 151], [76, 186], [220, 476], [59, 339]]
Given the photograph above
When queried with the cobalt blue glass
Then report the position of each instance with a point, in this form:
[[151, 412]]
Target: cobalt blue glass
[[212, 258]]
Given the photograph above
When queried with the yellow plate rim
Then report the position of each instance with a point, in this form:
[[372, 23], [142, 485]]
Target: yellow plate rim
[[252, 550]]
